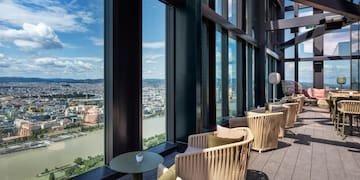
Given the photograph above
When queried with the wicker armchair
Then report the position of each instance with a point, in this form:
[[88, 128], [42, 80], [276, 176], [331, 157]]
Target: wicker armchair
[[292, 114], [347, 107], [300, 100], [228, 161], [265, 127]]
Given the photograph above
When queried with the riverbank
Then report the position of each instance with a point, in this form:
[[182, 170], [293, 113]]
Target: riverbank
[[28, 164]]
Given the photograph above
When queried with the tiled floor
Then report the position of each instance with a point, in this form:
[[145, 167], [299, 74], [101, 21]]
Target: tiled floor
[[310, 150]]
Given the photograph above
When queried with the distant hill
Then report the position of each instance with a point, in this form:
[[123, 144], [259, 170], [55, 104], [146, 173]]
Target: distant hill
[[146, 82], [50, 80], [153, 82]]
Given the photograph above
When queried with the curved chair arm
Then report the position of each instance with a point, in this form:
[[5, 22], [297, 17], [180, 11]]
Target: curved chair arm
[[199, 140], [221, 162]]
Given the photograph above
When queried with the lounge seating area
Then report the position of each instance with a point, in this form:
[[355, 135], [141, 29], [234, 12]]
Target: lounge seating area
[[309, 150]]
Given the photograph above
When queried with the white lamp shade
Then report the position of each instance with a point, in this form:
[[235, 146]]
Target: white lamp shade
[[274, 78]]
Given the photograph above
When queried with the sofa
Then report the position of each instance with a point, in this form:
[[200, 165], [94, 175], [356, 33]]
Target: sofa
[[319, 96]]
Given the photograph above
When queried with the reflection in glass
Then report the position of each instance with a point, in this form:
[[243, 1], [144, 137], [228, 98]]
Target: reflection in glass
[[232, 77], [306, 74], [305, 49], [290, 52], [334, 69], [337, 43], [218, 77], [154, 87]]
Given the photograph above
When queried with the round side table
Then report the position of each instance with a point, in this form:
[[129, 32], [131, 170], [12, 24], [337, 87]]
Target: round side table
[[126, 163]]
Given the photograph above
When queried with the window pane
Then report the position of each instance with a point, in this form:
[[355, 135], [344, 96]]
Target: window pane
[[290, 52], [306, 74], [52, 108], [306, 49], [355, 67], [334, 69], [218, 7], [232, 77], [154, 89], [250, 74], [337, 43], [290, 71], [218, 77], [288, 3], [355, 34], [232, 11]]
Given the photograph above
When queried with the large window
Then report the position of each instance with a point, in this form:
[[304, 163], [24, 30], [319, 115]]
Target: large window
[[154, 77], [232, 77], [218, 77], [334, 69], [51, 88]]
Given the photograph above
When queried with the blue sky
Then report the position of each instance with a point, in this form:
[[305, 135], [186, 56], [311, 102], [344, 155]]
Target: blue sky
[[52, 39], [153, 39]]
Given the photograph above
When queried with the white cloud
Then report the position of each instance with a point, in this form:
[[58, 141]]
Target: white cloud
[[97, 41], [52, 13], [30, 37], [153, 56], [151, 62], [53, 62], [2, 55], [154, 45]]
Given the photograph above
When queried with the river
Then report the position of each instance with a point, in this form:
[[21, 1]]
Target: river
[[25, 165]]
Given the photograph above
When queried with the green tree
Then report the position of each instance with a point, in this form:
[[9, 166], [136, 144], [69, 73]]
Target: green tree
[[78, 161], [52, 176]]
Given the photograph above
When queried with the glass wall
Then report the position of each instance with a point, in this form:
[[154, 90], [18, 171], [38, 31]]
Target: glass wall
[[154, 77], [218, 77], [334, 69], [306, 73], [51, 89], [232, 77]]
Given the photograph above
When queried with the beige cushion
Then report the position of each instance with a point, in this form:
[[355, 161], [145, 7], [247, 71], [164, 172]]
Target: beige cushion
[[231, 133], [169, 174], [218, 141]]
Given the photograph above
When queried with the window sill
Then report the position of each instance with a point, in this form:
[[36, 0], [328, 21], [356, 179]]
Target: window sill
[[106, 173]]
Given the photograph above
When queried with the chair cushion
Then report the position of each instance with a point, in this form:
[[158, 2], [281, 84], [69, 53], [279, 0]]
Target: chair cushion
[[218, 141], [170, 174], [231, 133]]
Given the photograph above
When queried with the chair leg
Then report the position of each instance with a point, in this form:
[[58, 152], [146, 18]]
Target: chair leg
[[343, 126]]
